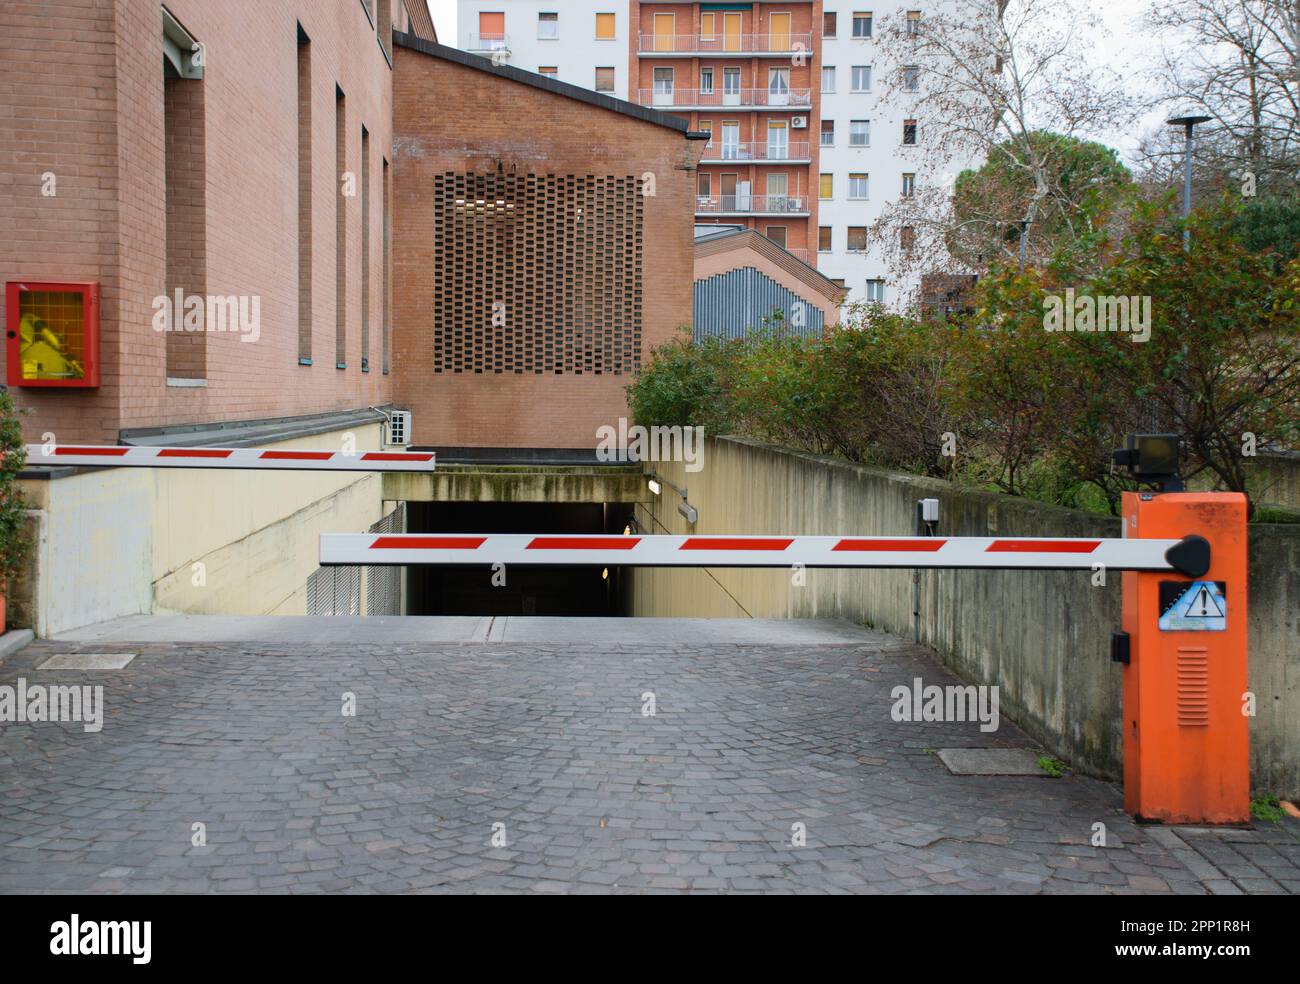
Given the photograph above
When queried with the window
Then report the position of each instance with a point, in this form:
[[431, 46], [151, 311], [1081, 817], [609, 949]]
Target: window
[[492, 29], [826, 187], [911, 78], [778, 142], [828, 78], [665, 25], [185, 197], [706, 126], [907, 238], [548, 70], [859, 186], [861, 78], [828, 25], [663, 91], [548, 27], [828, 133], [776, 234], [913, 23], [340, 231], [778, 186], [703, 185], [778, 87], [876, 291], [730, 140], [365, 250], [857, 239], [862, 24], [859, 133], [731, 87], [708, 32], [386, 277], [605, 79], [909, 185], [824, 239], [604, 27], [304, 199], [909, 133], [706, 81]]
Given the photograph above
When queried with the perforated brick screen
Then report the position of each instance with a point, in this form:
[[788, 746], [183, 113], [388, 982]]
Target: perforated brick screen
[[537, 273]]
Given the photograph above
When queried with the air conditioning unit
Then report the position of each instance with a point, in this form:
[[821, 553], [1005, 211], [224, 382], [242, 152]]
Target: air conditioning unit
[[799, 123], [399, 428]]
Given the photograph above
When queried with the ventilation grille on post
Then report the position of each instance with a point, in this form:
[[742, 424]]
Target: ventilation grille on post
[[537, 274], [1193, 686]]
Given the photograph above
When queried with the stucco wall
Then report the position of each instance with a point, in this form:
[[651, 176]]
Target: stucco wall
[[1042, 637]]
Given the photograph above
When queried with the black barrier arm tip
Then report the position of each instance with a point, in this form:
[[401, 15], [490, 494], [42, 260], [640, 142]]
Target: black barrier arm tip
[[1190, 556]]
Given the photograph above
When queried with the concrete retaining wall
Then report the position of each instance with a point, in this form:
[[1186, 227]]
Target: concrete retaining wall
[[110, 542], [1042, 637]]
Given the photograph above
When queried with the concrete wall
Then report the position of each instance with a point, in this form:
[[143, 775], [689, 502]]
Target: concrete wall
[[1043, 637], [125, 541]]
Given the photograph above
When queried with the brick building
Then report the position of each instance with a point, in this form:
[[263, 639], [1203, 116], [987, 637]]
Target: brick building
[[542, 247], [261, 199]]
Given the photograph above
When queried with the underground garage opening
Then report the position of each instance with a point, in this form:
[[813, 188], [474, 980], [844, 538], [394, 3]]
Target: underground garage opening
[[570, 591]]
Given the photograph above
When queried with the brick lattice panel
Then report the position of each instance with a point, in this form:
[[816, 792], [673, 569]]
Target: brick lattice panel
[[537, 273]]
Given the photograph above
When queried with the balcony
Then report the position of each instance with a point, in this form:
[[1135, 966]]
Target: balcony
[[689, 99], [771, 45], [486, 44], [742, 204], [756, 152]]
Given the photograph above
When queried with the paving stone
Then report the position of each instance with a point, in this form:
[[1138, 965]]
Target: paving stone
[[548, 741]]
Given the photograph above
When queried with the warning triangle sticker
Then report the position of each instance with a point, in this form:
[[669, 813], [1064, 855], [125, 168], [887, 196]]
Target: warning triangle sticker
[[1202, 604], [1199, 606]]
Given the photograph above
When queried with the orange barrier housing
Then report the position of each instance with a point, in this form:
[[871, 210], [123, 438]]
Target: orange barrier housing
[[1186, 738]]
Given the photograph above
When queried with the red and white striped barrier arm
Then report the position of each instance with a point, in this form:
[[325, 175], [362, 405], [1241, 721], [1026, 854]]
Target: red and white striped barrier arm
[[750, 551], [250, 458]]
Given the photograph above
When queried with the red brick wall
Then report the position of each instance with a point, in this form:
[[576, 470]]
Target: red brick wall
[[84, 78], [501, 123]]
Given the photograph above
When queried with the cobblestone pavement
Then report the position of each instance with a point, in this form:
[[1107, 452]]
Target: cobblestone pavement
[[551, 742]]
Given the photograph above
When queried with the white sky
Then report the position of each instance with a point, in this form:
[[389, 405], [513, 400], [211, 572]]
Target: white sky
[[1127, 49]]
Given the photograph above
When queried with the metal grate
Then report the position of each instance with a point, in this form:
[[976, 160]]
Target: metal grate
[[537, 273], [338, 590], [384, 584]]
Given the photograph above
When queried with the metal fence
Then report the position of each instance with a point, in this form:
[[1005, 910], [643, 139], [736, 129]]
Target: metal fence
[[340, 590]]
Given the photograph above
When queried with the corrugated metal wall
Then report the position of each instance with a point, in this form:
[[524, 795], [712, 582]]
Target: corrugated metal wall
[[732, 304]]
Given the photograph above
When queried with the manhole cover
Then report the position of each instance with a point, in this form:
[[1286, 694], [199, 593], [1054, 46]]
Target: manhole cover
[[992, 762], [87, 661]]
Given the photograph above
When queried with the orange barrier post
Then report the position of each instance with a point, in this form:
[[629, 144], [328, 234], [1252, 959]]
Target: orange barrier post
[[1186, 742]]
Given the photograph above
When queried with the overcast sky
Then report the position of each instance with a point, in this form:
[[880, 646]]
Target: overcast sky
[[1127, 49]]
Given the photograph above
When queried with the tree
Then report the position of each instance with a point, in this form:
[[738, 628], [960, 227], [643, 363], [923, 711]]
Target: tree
[[990, 79], [1085, 181], [1237, 62]]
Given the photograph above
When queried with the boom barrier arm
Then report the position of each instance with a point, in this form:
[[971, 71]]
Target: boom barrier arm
[[1188, 555], [287, 459]]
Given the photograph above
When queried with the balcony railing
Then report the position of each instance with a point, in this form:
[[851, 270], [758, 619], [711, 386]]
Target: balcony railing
[[751, 204], [739, 98], [723, 44], [488, 42], [755, 150]]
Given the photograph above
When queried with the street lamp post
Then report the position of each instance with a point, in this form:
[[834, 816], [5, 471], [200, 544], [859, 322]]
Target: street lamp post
[[1188, 123]]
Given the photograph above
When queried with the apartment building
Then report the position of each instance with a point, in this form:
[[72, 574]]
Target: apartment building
[[582, 42], [812, 135]]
